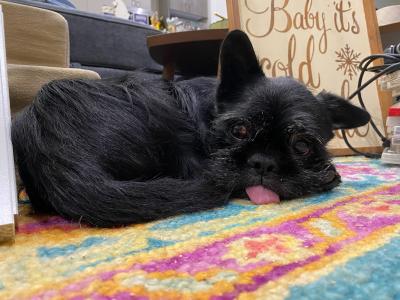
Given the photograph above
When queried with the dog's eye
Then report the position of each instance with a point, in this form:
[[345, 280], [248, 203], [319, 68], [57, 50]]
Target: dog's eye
[[241, 131], [301, 147]]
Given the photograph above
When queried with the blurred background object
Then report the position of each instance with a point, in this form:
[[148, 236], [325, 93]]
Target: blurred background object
[[108, 45], [164, 15], [223, 23], [167, 15], [383, 3]]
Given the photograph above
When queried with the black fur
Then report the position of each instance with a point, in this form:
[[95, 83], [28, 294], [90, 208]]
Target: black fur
[[115, 152]]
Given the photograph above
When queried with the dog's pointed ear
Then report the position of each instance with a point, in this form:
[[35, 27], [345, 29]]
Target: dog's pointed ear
[[238, 62], [342, 113]]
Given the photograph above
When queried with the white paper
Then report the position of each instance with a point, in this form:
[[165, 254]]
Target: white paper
[[8, 193]]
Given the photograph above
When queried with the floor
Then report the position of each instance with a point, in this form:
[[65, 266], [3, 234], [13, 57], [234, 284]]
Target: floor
[[339, 245]]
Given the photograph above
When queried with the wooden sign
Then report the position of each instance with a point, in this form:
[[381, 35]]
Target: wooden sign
[[320, 43], [8, 195]]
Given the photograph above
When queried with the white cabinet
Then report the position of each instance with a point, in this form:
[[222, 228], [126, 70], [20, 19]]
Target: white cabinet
[[8, 193]]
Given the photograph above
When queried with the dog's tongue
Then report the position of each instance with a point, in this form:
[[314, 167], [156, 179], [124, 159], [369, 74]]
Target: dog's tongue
[[260, 195]]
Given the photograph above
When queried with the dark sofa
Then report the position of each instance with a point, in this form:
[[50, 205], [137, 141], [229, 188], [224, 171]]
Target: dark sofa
[[108, 45]]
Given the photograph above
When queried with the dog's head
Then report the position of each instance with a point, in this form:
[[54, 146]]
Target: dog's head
[[270, 134]]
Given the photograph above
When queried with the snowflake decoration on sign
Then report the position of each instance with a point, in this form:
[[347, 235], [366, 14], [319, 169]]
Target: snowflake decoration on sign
[[348, 61]]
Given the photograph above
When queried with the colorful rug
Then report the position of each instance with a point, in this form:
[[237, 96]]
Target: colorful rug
[[344, 244]]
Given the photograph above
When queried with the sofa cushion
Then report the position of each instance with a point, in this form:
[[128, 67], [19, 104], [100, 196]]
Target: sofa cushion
[[25, 81], [35, 36], [105, 42]]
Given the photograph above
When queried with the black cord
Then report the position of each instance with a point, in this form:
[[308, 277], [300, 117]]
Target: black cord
[[380, 70]]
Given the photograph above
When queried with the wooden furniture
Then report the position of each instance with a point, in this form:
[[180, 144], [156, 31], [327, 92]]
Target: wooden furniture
[[190, 53]]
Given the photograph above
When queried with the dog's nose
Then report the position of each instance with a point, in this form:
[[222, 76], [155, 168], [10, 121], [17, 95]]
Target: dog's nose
[[262, 164]]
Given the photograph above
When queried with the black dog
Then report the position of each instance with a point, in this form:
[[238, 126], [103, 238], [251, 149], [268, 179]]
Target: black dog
[[114, 152]]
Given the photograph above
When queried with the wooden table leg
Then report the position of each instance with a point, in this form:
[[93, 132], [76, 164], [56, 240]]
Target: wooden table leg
[[169, 71]]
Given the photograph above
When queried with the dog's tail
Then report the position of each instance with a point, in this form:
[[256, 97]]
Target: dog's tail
[[88, 196], [84, 192], [113, 203], [101, 201]]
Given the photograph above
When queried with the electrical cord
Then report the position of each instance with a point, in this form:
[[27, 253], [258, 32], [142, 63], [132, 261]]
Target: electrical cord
[[381, 70]]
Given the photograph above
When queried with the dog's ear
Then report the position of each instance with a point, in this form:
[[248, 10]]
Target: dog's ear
[[238, 62], [342, 113]]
